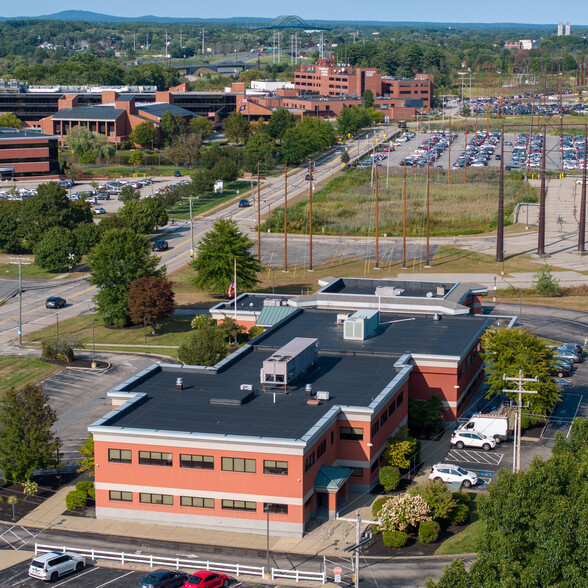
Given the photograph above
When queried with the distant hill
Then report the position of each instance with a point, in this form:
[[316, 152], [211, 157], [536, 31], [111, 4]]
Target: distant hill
[[88, 16]]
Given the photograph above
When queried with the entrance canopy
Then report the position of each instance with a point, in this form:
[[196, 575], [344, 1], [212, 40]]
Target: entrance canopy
[[331, 478]]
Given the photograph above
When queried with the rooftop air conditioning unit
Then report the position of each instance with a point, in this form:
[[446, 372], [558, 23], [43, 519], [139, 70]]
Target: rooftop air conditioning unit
[[322, 395], [247, 387]]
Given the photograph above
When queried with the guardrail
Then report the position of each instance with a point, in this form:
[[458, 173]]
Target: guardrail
[[156, 560], [299, 575]]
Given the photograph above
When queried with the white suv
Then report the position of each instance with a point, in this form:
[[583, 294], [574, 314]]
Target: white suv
[[444, 472], [463, 439], [55, 564]]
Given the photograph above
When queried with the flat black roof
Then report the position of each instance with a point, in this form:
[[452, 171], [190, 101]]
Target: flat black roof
[[10, 133], [88, 113], [366, 286], [352, 380]]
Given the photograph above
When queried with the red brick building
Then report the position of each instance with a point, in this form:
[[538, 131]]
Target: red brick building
[[26, 154]]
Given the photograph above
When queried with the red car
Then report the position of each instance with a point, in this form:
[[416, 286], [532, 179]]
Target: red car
[[204, 579]]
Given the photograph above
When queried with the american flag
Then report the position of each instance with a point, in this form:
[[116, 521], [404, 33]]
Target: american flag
[[231, 288], [243, 101]]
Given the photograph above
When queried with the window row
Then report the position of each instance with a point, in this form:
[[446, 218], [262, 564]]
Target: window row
[[199, 462], [196, 502]]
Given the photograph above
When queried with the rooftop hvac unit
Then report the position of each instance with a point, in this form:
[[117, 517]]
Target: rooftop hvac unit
[[275, 302], [361, 325], [322, 395], [290, 362], [388, 291], [248, 387]]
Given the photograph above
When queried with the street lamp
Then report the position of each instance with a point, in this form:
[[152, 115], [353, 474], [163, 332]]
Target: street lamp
[[267, 507]]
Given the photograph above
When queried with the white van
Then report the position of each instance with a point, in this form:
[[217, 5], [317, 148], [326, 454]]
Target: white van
[[491, 425], [51, 566]]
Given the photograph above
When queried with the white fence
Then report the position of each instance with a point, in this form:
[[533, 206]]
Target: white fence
[[299, 575], [156, 560]]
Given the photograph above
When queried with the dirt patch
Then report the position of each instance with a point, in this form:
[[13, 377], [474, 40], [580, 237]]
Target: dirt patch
[[48, 485]]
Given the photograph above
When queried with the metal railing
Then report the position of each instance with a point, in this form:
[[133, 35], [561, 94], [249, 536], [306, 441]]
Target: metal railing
[[156, 560], [299, 575]]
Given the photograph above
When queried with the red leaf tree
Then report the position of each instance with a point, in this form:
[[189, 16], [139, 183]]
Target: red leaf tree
[[151, 300]]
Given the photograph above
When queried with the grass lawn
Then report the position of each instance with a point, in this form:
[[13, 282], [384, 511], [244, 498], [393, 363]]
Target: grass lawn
[[16, 372], [202, 204], [346, 204], [466, 541], [169, 335]]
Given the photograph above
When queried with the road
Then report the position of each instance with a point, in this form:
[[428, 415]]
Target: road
[[388, 572]]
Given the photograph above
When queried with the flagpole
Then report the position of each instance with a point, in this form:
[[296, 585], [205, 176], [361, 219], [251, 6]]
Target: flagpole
[[235, 282]]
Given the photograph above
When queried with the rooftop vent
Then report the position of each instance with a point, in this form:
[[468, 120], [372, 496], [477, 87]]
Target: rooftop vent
[[429, 294], [436, 317], [323, 395], [388, 291], [361, 325], [342, 317], [441, 289]]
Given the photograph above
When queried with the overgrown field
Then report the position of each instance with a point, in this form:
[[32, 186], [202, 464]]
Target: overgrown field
[[347, 204]]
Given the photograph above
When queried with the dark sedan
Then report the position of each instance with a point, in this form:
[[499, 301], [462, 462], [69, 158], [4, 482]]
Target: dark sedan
[[54, 302], [160, 245], [163, 579]]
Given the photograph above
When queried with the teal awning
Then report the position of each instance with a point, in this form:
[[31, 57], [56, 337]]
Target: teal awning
[[270, 315], [331, 478]]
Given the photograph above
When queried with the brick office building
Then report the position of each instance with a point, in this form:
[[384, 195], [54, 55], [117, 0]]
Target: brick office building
[[26, 154], [226, 443]]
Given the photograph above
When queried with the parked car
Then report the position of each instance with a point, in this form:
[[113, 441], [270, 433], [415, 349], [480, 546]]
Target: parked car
[[160, 245], [561, 369], [491, 425], [243, 203], [51, 566], [163, 579], [207, 579], [54, 302], [463, 439], [103, 196], [444, 472], [567, 354], [66, 183], [99, 210], [177, 173], [575, 347]]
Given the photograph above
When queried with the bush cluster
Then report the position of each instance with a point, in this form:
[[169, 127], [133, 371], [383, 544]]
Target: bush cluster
[[61, 350], [75, 499], [394, 539], [377, 505], [429, 531], [87, 488]]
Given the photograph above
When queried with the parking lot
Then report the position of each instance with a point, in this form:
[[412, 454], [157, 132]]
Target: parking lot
[[91, 577]]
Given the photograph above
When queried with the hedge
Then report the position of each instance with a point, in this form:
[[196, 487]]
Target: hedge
[[428, 531], [87, 488], [394, 539], [459, 515], [75, 499], [377, 505]]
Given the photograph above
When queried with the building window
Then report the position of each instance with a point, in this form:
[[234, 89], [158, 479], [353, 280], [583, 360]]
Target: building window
[[156, 498], [332, 437], [322, 447], [120, 455], [197, 502], [383, 418], [239, 505], [392, 408], [238, 464], [357, 472], [374, 466], [198, 462], [279, 468], [309, 462], [400, 399], [375, 428], [275, 508], [155, 458], [351, 433], [120, 496]]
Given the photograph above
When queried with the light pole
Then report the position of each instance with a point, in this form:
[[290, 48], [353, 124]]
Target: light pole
[[20, 263], [267, 508], [93, 346]]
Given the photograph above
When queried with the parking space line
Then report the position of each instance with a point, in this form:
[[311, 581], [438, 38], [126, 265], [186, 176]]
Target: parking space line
[[75, 577], [115, 579], [475, 457]]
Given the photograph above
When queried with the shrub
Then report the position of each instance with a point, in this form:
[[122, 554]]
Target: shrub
[[402, 450], [389, 478], [255, 331], [438, 498], [461, 497], [404, 511], [545, 284], [75, 499], [30, 488], [48, 350], [394, 539], [86, 487], [378, 503], [459, 515], [428, 531]]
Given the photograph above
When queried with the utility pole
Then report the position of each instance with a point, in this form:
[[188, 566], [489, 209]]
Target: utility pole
[[427, 264], [519, 380], [258, 215], [500, 219], [449, 155], [542, 196], [377, 220], [404, 220], [286, 217], [191, 229], [357, 541], [202, 41], [310, 214], [19, 261], [582, 224]]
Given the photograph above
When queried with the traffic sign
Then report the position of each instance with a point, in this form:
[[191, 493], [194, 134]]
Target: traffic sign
[[337, 571]]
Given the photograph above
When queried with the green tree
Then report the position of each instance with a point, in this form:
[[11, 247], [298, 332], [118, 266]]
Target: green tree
[[545, 284], [145, 134], [345, 157], [81, 141], [202, 126], [172, 126], [53, 250], [9, 224], [112, 221], [128, 193], [206, 346], [257, 150], [86, 464], [121, 257], [202, 182], [389, 477], [279, 122], [185, 150], [508, 351], [437, 496], [401, 449], [454, 576], [214, 263], [10, 120], [137, 157], [236, 127], [144, 215], [368, 98], [151, 300], [225, 169], [27, 442]]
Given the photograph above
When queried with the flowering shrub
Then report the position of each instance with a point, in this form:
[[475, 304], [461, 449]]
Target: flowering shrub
[[404, 511]]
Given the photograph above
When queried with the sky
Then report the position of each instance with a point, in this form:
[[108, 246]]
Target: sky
[[519, 11]]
